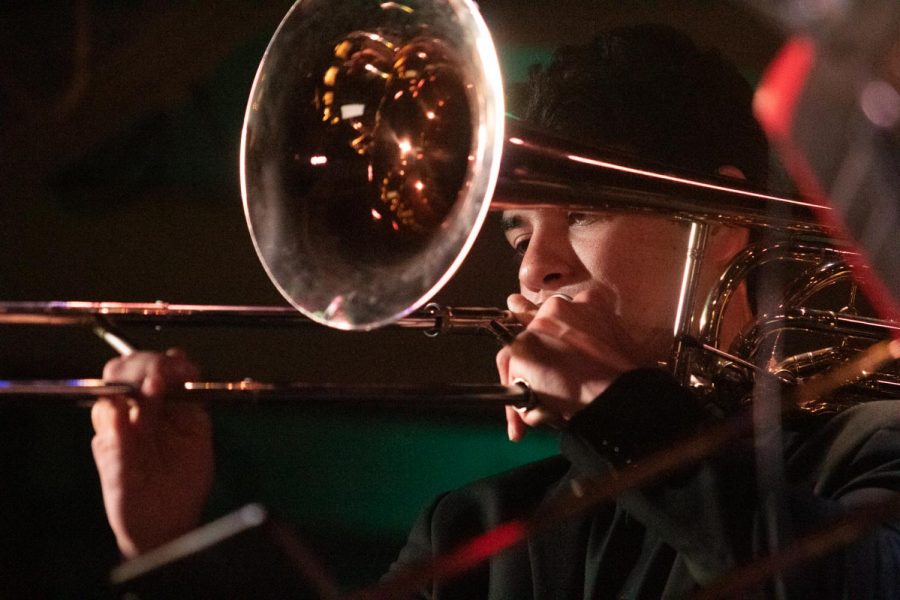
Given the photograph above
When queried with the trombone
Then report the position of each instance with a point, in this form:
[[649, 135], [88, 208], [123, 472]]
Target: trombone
[[375, 140], [107, 320]]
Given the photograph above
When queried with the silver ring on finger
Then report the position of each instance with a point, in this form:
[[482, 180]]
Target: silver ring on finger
[[529, 400]]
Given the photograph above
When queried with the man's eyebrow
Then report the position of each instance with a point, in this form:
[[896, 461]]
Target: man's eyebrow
[[510, 222]]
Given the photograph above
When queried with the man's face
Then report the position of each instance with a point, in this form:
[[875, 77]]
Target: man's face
[[637, 260]]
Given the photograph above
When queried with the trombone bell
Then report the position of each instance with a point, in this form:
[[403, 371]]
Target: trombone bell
[[369, 153]]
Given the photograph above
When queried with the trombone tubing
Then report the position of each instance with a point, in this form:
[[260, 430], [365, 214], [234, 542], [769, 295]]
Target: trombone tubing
[[433, 319], [540, 170], [461, 399]]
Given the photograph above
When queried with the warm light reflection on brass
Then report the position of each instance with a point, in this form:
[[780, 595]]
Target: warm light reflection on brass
[[383, 109]]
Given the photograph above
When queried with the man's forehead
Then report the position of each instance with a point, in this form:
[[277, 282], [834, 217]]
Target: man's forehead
[[522, 217]]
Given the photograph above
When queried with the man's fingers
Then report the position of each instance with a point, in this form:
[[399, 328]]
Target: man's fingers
[[154, 375], [515, 427], [180, 367], [171, 367], [589, 343], [166, 372], [502, 360], [110, 415], [112, 437], [521, 307], [189, 420]]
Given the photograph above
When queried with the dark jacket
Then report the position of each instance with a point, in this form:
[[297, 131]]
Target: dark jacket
[[672, 537]]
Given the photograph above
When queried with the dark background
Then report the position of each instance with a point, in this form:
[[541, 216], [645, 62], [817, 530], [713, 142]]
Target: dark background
[[119, 132]]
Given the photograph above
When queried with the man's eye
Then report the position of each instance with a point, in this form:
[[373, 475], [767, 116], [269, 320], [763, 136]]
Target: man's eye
[[521, 246], [583, 218]]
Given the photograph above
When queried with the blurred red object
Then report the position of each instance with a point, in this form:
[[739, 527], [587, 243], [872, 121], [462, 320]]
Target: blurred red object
[[830, 103]]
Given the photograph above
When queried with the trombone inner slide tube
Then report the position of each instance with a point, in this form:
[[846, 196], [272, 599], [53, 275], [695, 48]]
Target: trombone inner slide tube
[[464, 399]]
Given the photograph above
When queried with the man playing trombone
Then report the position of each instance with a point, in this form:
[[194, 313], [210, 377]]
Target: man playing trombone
[[598, 295]]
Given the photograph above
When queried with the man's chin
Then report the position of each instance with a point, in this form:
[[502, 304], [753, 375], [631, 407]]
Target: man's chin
[[653, 349]]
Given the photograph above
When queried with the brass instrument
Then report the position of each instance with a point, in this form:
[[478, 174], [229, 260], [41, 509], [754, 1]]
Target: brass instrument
[[371, 152], [349, 145]]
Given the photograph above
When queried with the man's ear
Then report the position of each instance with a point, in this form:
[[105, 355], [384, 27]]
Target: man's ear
[[727, 240]]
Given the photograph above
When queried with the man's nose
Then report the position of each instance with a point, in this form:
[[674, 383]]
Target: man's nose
[[546, 265]]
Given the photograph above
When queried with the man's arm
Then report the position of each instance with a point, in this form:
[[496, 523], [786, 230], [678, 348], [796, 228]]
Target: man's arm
[[710, 512]]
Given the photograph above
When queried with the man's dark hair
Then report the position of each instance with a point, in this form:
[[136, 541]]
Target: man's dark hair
[[650, 89]]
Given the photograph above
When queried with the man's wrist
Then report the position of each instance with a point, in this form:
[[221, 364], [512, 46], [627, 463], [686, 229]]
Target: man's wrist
[[641, 412]]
